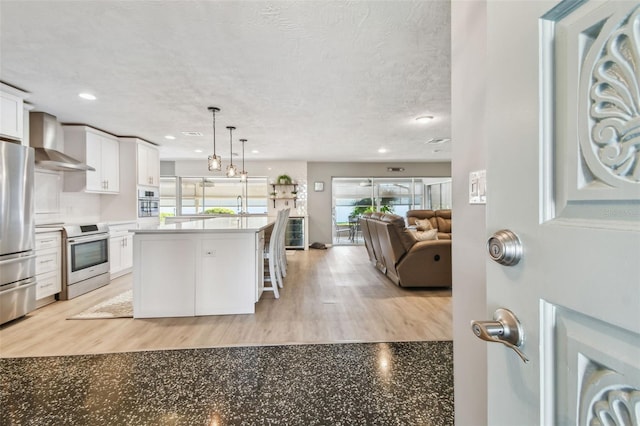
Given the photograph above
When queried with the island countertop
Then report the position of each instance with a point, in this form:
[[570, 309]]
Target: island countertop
[[249, 224]]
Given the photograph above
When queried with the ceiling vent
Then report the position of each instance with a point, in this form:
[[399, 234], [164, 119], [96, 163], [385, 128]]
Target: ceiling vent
[[192, 133], [437, 141]]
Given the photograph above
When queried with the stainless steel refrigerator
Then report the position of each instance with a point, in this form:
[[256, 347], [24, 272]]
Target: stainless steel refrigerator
[[17, 232]]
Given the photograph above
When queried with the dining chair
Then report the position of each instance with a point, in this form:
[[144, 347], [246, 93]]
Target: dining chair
[[341, 229], [354, 228]]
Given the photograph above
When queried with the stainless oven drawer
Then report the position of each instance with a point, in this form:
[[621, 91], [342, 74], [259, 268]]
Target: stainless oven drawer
[[84, 274], [17, 299]]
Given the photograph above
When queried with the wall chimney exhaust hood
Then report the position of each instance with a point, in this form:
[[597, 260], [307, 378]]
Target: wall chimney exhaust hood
[[43, 135]]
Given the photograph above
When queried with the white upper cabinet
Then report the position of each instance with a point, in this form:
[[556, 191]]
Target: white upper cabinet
[[11, 116], [100, 151], [110, 165], [148, 165]]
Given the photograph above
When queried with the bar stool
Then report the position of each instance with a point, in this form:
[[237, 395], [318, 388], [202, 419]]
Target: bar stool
[[282, 253], [270, 255]]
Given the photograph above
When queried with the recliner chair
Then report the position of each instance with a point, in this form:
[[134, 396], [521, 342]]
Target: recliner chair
[[404, 259]]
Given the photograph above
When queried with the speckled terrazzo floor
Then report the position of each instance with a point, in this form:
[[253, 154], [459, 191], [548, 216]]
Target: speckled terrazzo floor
[[409, 383]]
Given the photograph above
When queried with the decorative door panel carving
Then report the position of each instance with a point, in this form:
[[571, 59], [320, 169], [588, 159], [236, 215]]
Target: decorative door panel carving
[[596, 368], [591, 111], [590, 175]]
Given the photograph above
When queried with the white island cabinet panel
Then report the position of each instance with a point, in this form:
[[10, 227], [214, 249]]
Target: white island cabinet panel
[[227, 284], [204, 267], [164, 277]]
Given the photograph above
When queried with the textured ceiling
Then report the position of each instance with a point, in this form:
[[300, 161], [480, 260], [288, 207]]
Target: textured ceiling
[[312, 80]]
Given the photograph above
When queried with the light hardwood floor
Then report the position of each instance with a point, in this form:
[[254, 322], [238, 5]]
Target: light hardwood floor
[[330, 296]]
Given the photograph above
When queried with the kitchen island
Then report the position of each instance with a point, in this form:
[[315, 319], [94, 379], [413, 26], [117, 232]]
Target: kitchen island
[[203, 267]]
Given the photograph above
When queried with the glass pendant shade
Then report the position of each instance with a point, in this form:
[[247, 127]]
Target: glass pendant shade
[[215, 161], [231, 169], [243, 176]]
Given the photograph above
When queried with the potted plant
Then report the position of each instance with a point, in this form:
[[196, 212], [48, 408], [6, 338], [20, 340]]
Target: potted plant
[[284, 179]]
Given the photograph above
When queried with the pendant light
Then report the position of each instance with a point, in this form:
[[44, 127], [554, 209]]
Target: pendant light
[[243, 174], [215, 162], [231, 169]]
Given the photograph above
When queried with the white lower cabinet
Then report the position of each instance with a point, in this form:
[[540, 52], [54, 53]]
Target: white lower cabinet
[[121, 254], [48, 267]]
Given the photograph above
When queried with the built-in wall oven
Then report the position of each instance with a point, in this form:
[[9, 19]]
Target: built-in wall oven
[[148, 203], [86, 259]]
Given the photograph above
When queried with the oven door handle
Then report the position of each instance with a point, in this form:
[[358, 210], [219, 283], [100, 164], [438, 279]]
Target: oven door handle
[[17, 259], [88, 239]]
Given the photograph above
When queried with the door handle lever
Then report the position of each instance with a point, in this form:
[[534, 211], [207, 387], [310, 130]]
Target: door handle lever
[[504, 329]]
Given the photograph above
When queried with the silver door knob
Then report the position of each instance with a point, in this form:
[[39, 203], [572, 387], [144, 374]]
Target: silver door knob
[[505, 247], [505, 329]]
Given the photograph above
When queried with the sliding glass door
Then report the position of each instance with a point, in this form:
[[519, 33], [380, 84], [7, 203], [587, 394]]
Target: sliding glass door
[[354, 196]]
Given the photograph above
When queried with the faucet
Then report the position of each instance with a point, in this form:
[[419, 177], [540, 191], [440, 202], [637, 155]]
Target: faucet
[[239, 199]]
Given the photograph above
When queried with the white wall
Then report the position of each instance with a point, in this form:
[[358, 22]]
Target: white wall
[[469, 146], [319, 203]]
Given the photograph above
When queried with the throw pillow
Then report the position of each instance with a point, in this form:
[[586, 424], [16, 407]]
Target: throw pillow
[[431, 234], [423, 225]]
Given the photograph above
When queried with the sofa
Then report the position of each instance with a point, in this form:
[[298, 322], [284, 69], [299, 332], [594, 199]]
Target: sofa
[[395, 250], [439, 219]]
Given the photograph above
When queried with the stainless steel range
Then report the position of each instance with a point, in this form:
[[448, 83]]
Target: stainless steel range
[[86, 259]]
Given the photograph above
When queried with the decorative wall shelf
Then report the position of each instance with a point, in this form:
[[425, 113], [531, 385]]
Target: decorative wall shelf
[[292, 197]]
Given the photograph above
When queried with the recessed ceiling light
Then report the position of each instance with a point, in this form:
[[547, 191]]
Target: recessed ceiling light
[[436, 141], [88, 96], [192, 133], [255, 151], [197, 150], [170, 137], [382, 150], [424, 118]]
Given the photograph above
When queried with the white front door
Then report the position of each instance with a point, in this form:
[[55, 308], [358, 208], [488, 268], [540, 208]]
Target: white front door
[[563, 125]]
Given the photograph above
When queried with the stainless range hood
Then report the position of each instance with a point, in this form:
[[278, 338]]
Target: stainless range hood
[[43, 135]]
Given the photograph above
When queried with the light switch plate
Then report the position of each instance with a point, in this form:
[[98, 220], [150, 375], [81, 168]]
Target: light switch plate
[[478, 187]]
